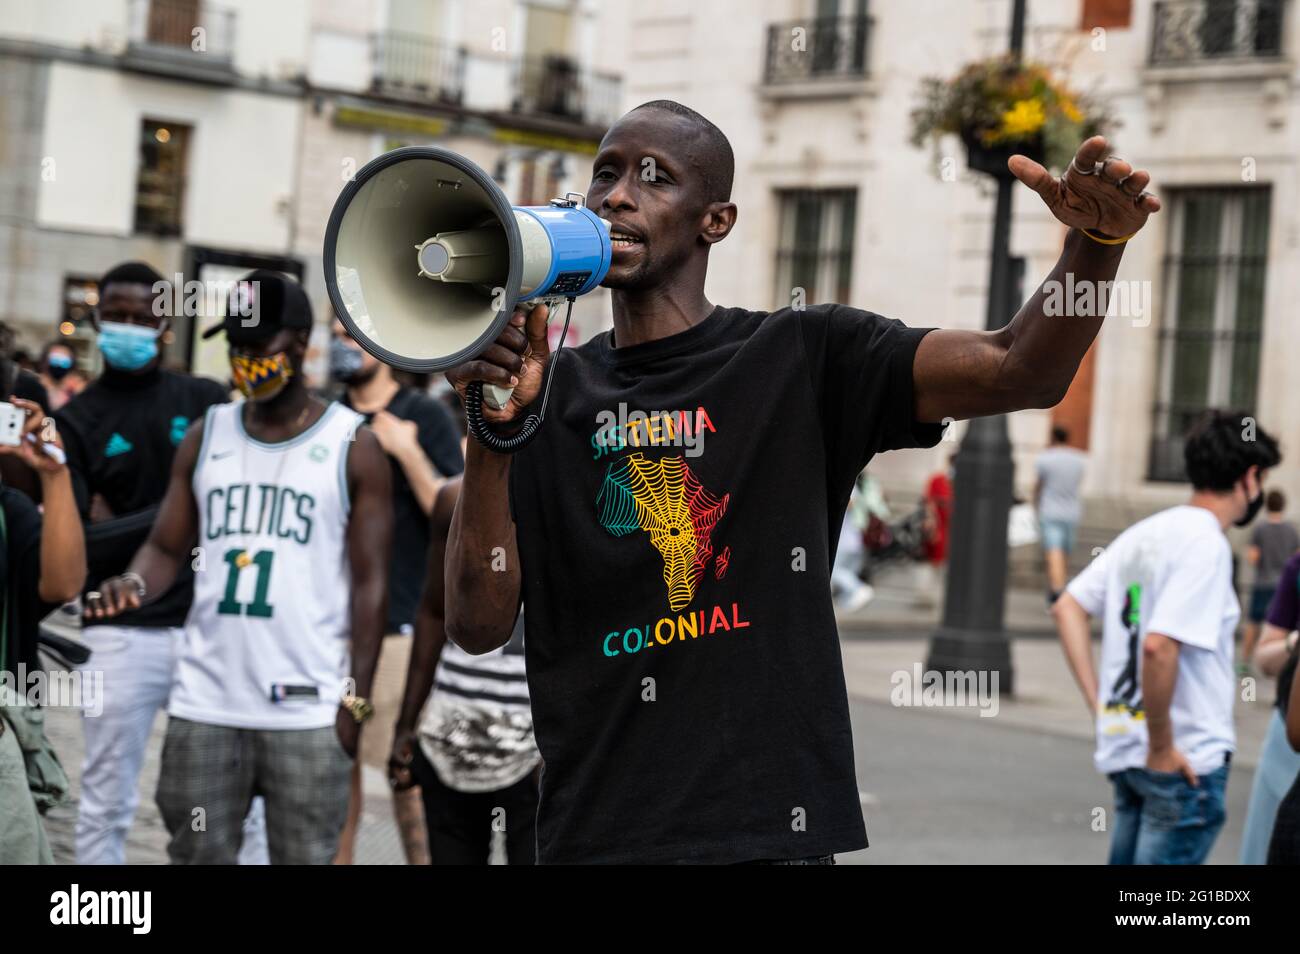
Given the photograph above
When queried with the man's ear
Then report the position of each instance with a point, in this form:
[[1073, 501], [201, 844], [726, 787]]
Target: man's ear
[[719, 219]]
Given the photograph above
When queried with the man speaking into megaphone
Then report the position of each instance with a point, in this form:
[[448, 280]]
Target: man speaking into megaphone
[[672, 525]]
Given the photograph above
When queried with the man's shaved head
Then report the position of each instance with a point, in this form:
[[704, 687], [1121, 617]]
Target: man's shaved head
[[715, 161], [662, 179]]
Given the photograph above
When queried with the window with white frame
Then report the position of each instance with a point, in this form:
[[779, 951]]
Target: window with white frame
[[1210, 329], [815, 246]]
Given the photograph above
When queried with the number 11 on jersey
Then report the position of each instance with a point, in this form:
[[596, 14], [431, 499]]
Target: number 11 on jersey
[[236, 560]]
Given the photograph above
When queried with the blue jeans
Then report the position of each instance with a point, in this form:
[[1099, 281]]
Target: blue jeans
[[1160, 819], [1276, 772]]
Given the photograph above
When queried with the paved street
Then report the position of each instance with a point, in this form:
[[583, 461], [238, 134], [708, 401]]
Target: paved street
[[949, 786], [944, 789]]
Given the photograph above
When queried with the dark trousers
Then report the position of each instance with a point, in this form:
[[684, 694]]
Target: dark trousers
[[461, 823], [1284, 849]]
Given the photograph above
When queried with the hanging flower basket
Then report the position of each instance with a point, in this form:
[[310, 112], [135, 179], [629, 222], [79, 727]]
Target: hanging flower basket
[[1000, 107]]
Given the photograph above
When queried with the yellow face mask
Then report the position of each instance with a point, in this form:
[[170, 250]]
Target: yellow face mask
[[260, 379]]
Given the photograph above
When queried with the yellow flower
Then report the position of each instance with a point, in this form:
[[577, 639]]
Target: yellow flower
[[1023, 119], [1070, 110]]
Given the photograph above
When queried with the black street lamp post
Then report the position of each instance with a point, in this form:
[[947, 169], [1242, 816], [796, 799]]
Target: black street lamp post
[[971, 636]]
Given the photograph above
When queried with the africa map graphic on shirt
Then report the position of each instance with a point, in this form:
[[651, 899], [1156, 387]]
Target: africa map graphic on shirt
[[666, 500]]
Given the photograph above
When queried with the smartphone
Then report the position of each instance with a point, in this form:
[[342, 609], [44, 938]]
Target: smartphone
[[11, 424]]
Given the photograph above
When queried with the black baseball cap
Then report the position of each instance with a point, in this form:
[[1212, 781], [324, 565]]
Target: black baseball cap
[[260, 304]]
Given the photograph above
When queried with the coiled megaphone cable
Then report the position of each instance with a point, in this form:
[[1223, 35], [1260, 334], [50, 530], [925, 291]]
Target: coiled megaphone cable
[[482, 430]]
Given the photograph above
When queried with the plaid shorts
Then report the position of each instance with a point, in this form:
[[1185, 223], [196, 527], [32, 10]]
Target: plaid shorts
[[210, 774]]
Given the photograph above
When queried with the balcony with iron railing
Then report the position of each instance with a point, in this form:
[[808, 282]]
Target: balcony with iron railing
[[555, 94], [417, 67], [820, 50], [184, 39], [1195, 32], [558, 88]]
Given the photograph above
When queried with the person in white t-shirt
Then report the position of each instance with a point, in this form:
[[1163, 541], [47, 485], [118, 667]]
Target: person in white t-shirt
[[1163, 696]]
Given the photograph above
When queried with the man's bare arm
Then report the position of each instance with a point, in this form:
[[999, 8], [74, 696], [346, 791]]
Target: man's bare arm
[[482, 594], [1076, 639], [370, 547], [1293, 716], [1159, 676], [1031, 361], [369, 542], [430, 636], [482, 579], [63, 542], [1272, 650]]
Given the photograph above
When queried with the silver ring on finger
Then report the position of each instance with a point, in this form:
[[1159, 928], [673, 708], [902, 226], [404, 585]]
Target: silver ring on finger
[[94, 596], [1074, 164], [1142, 195], [1120, 185]]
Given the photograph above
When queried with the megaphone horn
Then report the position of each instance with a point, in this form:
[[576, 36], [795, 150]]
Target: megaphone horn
[[425, 261]]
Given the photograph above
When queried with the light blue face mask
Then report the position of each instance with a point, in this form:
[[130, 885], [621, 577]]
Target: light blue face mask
[[128, 347]]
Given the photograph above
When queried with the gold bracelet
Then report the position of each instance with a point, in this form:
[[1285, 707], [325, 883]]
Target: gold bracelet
[[1107, 241]]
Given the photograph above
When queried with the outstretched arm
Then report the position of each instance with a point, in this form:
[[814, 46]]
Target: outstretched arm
[[1030, 362]]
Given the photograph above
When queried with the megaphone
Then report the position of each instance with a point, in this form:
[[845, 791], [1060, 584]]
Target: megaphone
[[425, 261]]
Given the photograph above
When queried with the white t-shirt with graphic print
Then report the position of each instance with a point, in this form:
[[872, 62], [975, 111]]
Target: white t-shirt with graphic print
[[1171, 574]]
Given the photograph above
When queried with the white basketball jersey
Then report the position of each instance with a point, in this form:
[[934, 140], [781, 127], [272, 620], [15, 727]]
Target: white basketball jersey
[[267, 638]]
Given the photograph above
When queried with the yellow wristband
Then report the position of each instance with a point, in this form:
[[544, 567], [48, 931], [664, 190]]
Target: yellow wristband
[[1107, 241]]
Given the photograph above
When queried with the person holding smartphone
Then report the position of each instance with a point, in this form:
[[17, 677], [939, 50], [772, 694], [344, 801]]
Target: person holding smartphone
[[42, 564]]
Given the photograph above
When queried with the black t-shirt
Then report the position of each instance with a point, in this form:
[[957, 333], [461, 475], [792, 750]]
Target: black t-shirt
[[683, 659], [440, 440], [20, 569], [121, 434]]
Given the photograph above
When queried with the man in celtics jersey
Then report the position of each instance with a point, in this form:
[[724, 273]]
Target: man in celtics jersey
[[282, 504]]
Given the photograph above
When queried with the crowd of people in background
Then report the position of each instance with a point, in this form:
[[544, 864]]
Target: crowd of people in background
[[256, 569]]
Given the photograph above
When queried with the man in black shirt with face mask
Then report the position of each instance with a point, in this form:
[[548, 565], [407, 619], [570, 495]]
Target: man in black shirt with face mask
[[121, 434], [672, 526]]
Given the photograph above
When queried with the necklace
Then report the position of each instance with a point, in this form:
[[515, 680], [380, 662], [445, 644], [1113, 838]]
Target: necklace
[[244, 559]]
